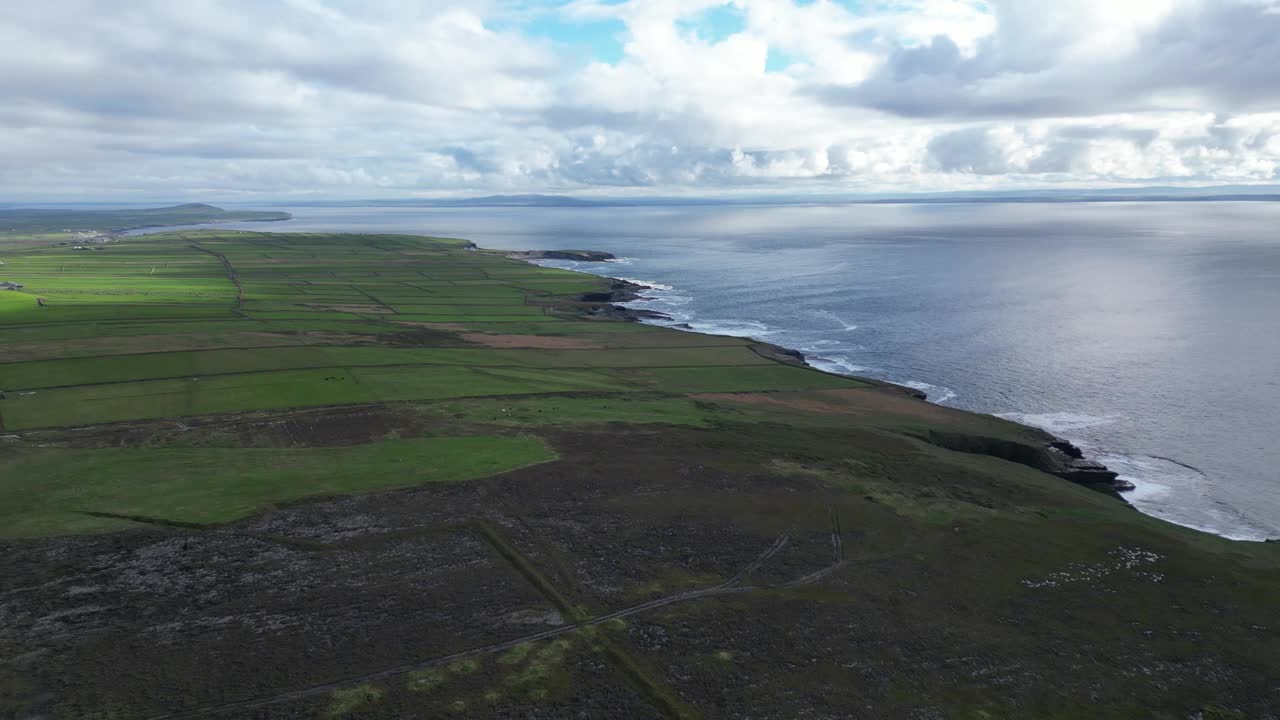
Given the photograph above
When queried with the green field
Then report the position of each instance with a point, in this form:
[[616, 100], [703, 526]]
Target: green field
[[47, 492]]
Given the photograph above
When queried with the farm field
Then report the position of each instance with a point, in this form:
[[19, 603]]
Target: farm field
[[300, 475], [322, 321]]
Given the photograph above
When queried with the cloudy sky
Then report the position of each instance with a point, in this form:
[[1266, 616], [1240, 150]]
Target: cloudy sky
[[395, 98]]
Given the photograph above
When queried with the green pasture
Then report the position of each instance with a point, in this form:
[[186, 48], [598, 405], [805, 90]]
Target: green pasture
[[46, 492], [149, 399], [559, 411], [124, 368]]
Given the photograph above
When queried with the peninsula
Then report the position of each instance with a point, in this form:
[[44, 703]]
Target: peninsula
[[37, 226]]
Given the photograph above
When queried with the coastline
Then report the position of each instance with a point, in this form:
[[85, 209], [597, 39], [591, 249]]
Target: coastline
[[1053, 455], [1162, 491]]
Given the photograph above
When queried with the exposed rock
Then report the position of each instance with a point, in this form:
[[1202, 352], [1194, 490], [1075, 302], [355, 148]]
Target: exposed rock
[[1053, 455], [1067, 448], [618, 312], [619, 291], [915, 393], [1070, 464], [577, 255], [780, 354]]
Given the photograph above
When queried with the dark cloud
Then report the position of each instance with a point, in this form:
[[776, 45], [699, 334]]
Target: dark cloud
[[971, 150], [1227, 50], [1221, 55], [936, 80]]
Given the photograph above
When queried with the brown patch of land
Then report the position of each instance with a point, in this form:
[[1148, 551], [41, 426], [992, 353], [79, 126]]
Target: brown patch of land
[[349, 308], [431, 325], [301, 427], [854, 401], [544, 342], [137, 344]]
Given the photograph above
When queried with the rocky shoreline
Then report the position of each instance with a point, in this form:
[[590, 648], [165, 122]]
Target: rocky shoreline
[[1053, 454], [575, 255]]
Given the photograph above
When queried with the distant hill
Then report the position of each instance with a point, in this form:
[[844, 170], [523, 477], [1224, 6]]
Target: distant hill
[[36, 220], [197, 208]]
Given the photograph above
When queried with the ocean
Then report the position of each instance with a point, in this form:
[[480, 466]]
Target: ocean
[[1147, 333]]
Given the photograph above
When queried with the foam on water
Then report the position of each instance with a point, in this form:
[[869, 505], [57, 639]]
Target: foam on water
[[839, 364], [561, 265], [733, 328], [647, 283], [1163, 487], [668, 302], [845, 326], [937, 394], [664, 298]]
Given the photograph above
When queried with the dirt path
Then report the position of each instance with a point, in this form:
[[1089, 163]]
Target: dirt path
[[837, 536], [752, 566]]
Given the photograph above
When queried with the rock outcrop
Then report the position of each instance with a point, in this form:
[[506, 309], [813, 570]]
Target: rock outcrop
[[575, 255], [1043, 452]]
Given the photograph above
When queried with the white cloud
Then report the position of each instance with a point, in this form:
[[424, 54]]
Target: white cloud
[[339, 97]]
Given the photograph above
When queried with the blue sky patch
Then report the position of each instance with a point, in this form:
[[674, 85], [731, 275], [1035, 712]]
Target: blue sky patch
[[585, 40], [779, 60], [715, 24]]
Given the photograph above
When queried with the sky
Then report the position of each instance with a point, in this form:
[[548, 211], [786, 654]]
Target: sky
[[227, 99]]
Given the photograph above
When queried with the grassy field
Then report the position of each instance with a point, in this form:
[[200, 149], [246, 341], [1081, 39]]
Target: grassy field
[[308, 475], [110, 340], [47, 491]]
